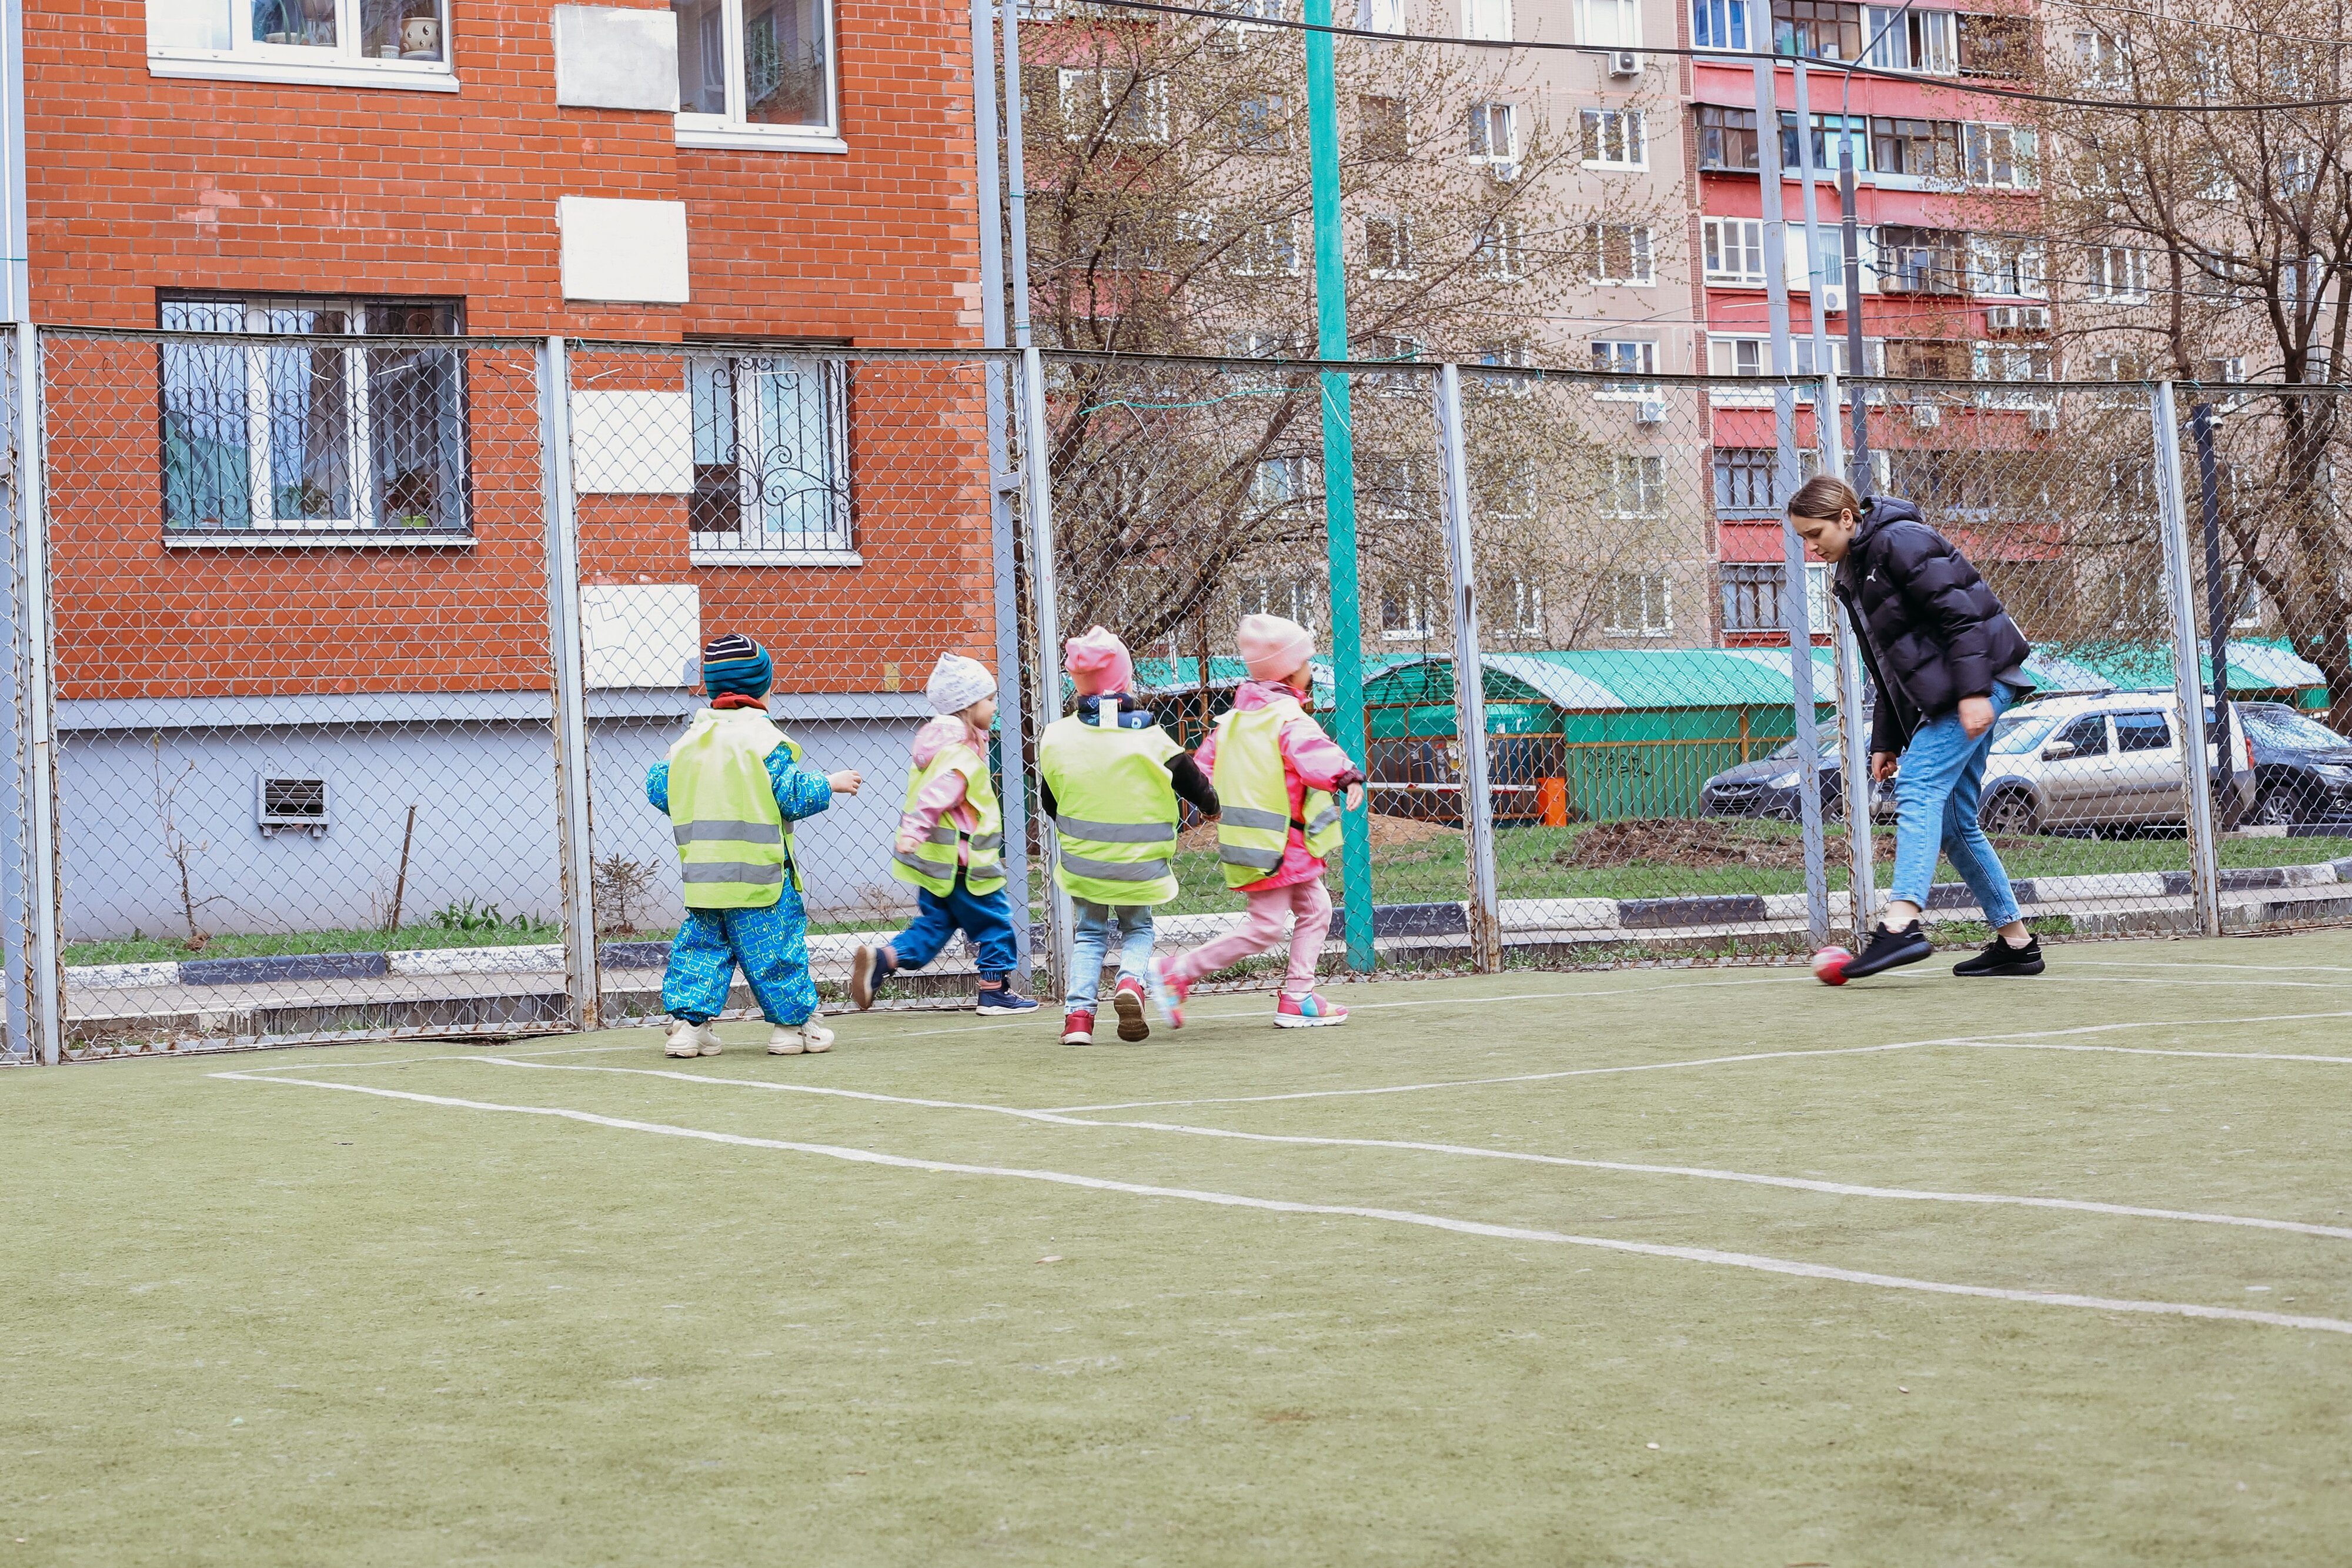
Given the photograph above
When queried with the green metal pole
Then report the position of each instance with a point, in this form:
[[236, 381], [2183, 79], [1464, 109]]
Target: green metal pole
[[1339, 472]]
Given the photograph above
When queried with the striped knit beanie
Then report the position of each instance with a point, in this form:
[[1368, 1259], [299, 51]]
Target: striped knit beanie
[[732, 662]]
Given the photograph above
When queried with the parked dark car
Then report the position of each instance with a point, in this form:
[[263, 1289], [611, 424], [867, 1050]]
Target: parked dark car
[[2303, 770], [1773, 786]]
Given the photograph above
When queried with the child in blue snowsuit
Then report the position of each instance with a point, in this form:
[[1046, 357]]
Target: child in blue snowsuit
[[732, 787]]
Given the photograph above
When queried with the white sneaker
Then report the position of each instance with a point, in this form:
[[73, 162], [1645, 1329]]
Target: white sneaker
[[692, 1040], [811, 1036]]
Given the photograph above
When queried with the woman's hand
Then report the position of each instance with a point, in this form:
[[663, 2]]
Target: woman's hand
[[845, 783], [1976, 715], [1355, 796], [1882, 766]]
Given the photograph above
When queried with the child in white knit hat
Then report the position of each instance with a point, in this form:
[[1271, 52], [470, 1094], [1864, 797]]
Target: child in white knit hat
[[951, 845]]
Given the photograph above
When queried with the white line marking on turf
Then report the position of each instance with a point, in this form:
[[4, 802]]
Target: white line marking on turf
[[2267, 969], [2022, 1035], [2150, 1050], [1802, 1184], [1351, 1211]]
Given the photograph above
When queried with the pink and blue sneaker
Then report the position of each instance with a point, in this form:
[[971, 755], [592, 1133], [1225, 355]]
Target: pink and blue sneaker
[[1310, 1011], [1168, 992]]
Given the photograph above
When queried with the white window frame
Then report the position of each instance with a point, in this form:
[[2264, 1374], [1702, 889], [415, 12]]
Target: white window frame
[[1938, 36], [730, 129], [1610, 24], [1484, 118], [1070, 81], [1642, 583], [1412, 597], [1641, 253], [1645, 474], [1991, 145], [1380, 15], [1641, 360], [1527, 608], [1256, 253], [1721, 24], [260, 417], [1742, 238], [1996, 261], [175, 50], [1723, 358], [1280, 481], [1399, 245], [1632, 131], [1501, 251], [2119, 274], [839, 545], [1486, 19]]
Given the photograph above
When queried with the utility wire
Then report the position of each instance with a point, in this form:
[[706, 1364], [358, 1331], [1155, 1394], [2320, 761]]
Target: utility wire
[[1739, 57]]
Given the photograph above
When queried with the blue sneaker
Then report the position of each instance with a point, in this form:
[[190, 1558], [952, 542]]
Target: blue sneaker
[[1003, 998]]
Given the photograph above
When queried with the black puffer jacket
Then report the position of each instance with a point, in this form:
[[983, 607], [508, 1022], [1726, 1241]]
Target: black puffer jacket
[[1932, 632]]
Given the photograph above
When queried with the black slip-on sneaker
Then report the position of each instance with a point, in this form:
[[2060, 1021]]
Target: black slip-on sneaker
[[2000, 958], [1886, 949]]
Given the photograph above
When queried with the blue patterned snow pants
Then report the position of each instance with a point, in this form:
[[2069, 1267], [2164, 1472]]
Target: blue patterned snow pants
[[772, 946]]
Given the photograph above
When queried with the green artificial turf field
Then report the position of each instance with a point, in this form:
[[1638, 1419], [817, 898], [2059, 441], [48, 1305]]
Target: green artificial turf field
[[1658, 1267]]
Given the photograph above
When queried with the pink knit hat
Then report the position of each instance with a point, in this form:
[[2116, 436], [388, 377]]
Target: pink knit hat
[[1274, 646], [1097, 662]]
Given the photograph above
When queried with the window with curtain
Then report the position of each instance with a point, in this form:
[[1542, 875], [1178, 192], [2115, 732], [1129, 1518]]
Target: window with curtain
[[312, 436], [770, 457]]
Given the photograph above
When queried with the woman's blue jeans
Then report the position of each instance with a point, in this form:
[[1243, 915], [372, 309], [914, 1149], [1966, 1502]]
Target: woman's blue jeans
[[1935, 796]]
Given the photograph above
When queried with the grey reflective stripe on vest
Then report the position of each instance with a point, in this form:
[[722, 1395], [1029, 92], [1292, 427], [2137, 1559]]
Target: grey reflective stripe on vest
[[1324, 818], [1256, 860], [1251, 817], [929, 868], [734, 870], [941, 832], [1116, 832], [732, 832], [983, 842], [1116, 871]]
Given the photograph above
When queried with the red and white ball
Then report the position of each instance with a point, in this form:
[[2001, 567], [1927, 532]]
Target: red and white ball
[[1828, 966]]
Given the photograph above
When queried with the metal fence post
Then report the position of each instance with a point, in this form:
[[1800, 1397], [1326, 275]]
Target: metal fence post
[[1037, 501], [2189, 685], [1853, 733], [35, 983], [1469, 681], [572, 841]]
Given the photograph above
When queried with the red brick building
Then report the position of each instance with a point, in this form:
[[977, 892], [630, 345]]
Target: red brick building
[[255, 546]]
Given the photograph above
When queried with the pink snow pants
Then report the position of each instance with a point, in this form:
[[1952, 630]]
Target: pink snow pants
[[1261, 928]]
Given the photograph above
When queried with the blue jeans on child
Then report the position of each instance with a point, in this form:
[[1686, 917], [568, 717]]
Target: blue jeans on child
[[1935, 796], [1092, 941], [985, 917]]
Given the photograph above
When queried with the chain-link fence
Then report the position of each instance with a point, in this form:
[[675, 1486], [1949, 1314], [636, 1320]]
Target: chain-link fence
[[335, 697]]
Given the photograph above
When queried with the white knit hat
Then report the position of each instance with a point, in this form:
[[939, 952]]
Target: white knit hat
[[956, 683]]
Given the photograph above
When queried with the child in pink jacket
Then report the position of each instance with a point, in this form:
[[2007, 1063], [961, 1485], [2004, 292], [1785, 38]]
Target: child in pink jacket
[[1278, 652]]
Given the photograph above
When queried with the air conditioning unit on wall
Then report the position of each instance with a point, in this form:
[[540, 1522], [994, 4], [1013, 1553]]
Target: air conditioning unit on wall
[[1650, 411], [1925, 416], [1624, 63]]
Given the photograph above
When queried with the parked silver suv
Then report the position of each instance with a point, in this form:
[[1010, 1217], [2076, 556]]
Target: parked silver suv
[[2105, 761]]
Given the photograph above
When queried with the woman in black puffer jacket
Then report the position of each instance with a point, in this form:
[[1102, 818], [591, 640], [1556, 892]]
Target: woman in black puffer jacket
[[1946, 660]]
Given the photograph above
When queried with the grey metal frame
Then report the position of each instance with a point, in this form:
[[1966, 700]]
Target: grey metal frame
[[1469, 680], [33, 966], [573, 841], [2204, 862]]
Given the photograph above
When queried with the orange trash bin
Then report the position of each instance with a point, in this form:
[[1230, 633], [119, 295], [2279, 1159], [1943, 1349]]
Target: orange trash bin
[[1551, 802]]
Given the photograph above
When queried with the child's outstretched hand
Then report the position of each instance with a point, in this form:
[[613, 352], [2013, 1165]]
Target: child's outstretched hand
[[845, 783], [1355, 796], [908, 844]]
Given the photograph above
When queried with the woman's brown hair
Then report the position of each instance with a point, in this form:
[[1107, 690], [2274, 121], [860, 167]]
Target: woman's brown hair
[[1825, 495]]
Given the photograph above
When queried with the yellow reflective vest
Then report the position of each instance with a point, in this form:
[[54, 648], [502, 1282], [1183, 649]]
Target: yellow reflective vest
[[932, 863], [1253, 822], [1113, 810], [733, 843]]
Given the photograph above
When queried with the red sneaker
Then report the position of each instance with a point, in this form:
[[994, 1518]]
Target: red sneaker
[[1129, 1000], [1310, 1011], [1079, 1027], [1168, 993]]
